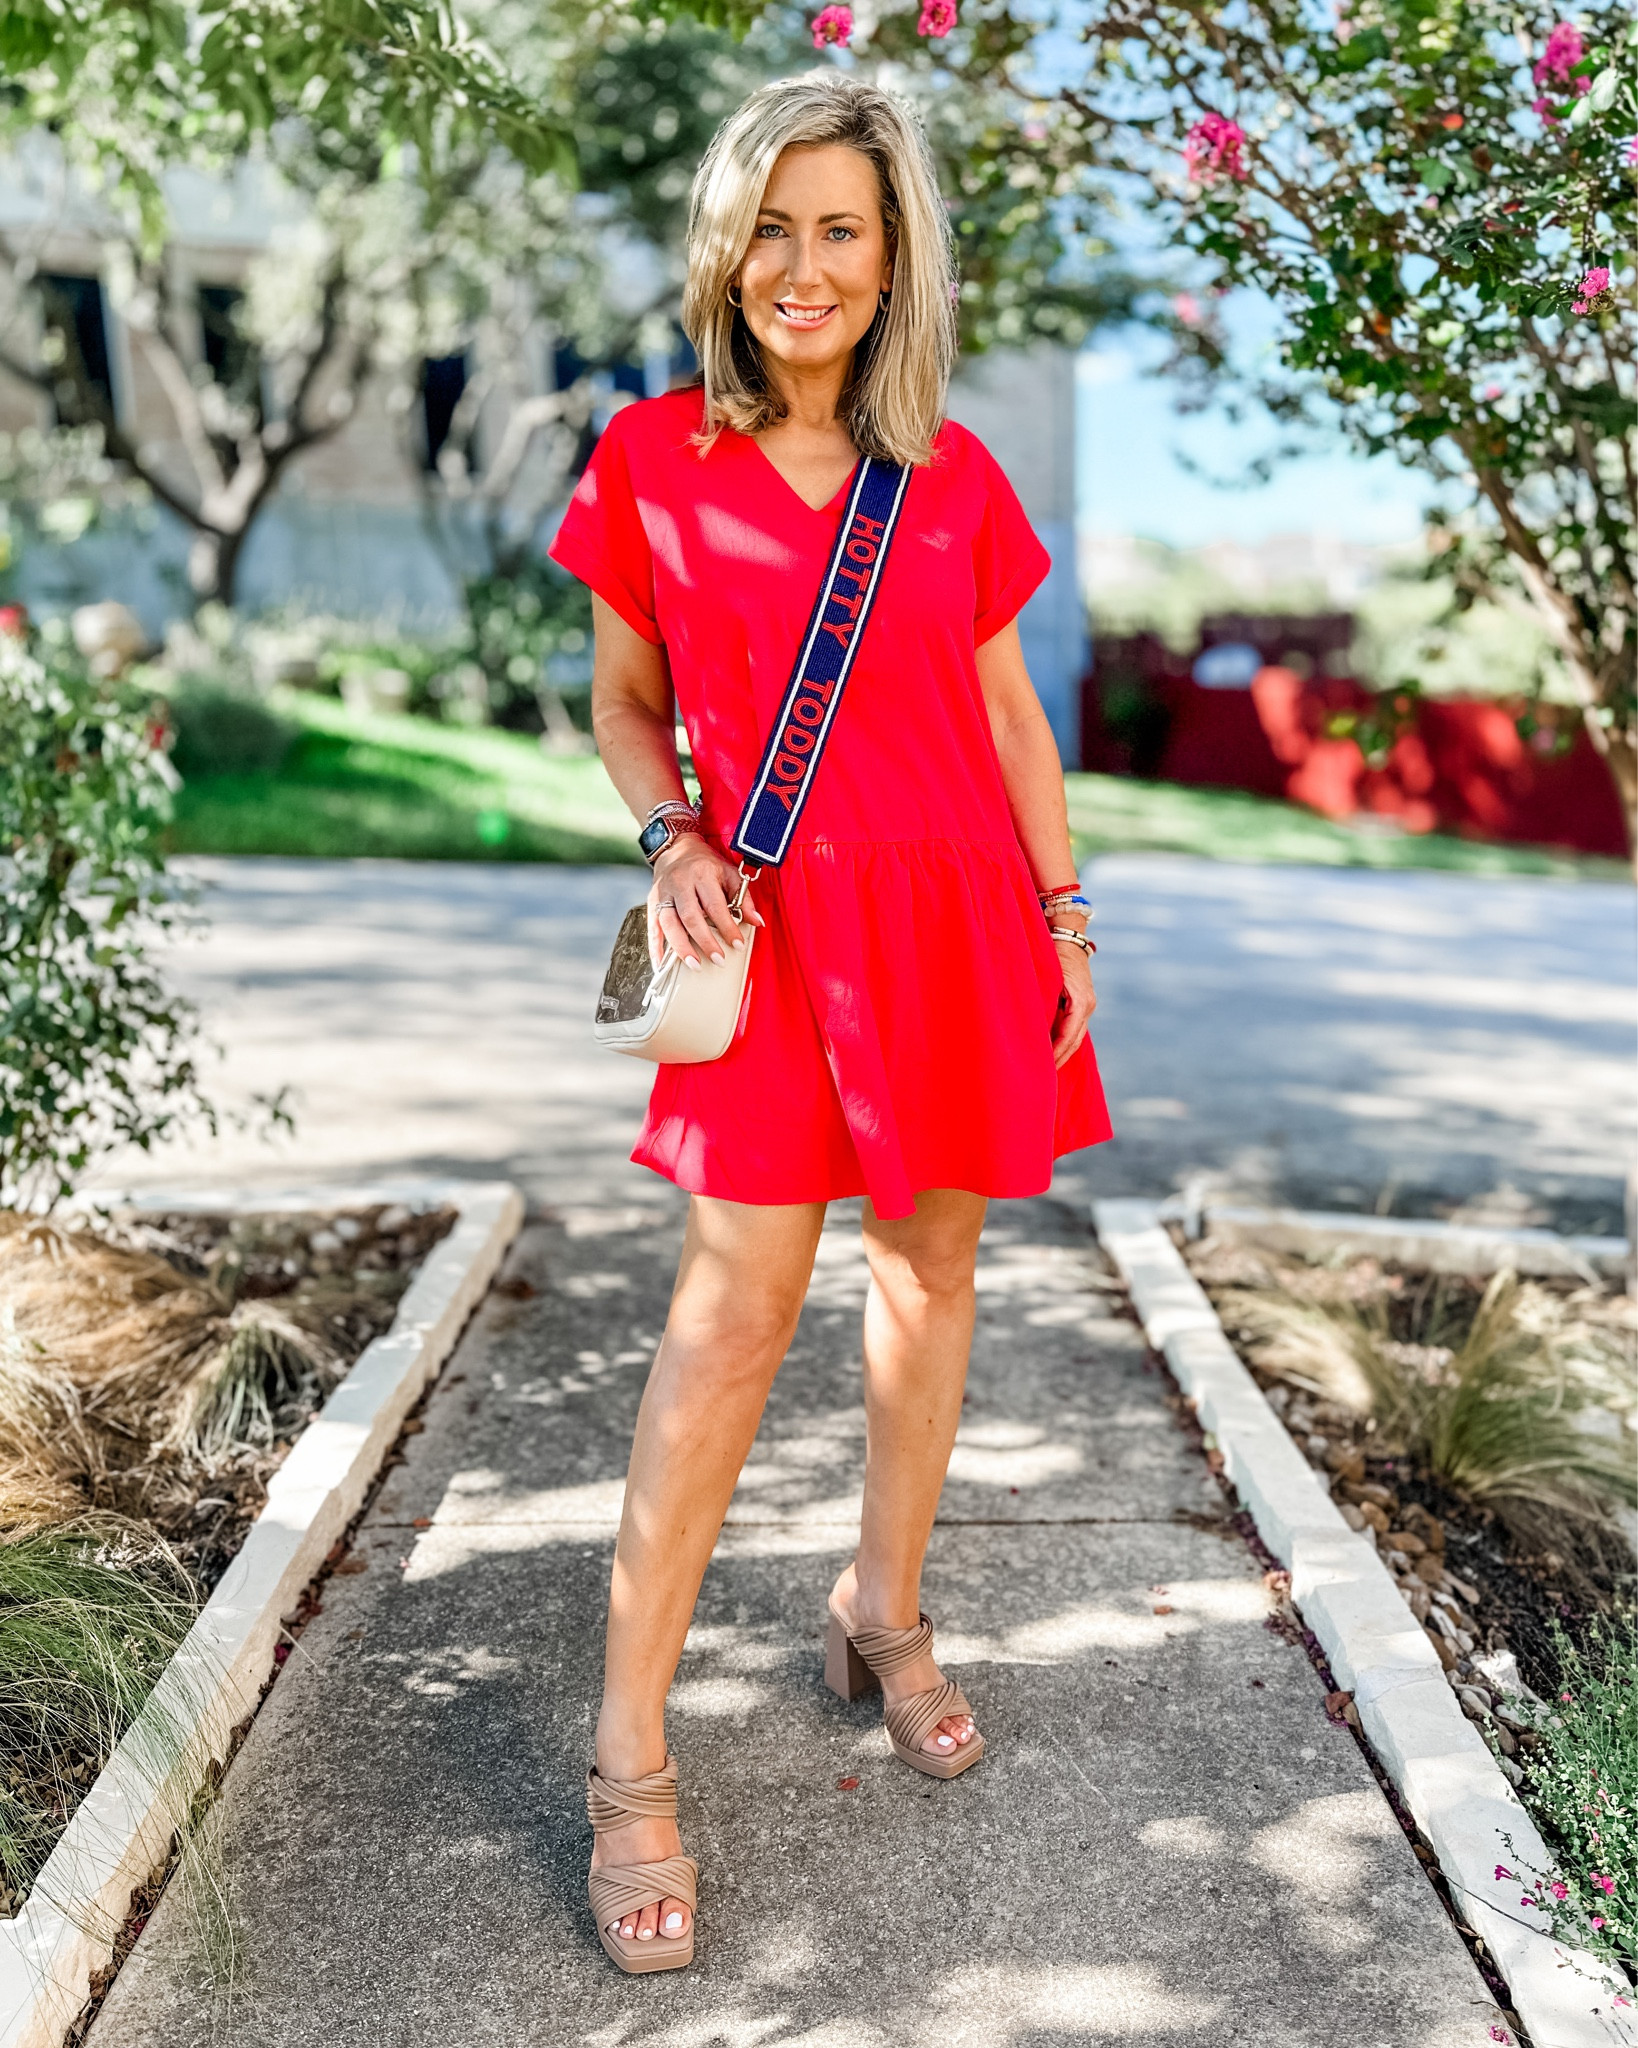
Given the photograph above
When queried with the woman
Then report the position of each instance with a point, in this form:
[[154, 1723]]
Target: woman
[[916, 1027]]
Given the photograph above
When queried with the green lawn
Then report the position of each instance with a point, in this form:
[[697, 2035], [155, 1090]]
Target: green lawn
[[407, 788], [1109, 814], [413, 789]]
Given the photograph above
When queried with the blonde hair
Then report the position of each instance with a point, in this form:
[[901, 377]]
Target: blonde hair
[[894, 400]]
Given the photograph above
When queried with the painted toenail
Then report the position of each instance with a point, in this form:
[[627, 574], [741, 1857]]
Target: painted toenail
[[673, 1920], [645, 1934]]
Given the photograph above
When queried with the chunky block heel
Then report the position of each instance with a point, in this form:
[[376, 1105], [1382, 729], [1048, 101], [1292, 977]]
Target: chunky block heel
[[846, 1672], [909, 1721]]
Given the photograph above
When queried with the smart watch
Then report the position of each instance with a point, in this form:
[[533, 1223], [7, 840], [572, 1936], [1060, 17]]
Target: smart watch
[[666, 822]]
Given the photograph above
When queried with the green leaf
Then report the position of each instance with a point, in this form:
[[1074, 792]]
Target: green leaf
[[1434, 174], [1604, 88]]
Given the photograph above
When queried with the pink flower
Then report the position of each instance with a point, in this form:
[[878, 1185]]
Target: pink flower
[[1593, 296], [1500, 2034], [1605, 1884], [938, 17], [833, 25], [1559, 1890], [1212, 150], [1492, 392], [1560, 56], [1629, 156], [1187, 308], [1596, 1921], [1502, 1870], [1554, 70]]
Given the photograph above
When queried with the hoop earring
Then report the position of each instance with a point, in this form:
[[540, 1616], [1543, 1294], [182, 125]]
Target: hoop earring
[[734, 297], [883, 300]]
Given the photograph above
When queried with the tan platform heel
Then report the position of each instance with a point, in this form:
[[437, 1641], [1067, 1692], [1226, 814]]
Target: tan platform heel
[[621, 1888], [855, 1664]]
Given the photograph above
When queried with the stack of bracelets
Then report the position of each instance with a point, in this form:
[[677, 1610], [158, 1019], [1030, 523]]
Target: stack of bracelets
[[1054, 902]]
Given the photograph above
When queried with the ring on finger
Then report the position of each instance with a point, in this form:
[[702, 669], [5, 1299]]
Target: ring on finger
[[666, 903]]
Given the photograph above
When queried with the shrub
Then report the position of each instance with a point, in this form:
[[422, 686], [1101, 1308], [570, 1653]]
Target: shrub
[[1581, 1782], [223, 728], [1436, 200], [1498, 1410], [95, 1051]]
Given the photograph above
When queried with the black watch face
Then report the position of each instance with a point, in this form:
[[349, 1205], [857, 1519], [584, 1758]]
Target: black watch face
[[653, 837]]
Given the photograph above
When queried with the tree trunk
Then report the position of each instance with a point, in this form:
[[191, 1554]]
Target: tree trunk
[[1621, 753], [213, 565]]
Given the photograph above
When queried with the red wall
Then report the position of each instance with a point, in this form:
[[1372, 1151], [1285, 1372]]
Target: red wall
[[1460, 766]]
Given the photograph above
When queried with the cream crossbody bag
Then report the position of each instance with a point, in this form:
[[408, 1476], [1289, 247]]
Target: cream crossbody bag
[[667, 1013]]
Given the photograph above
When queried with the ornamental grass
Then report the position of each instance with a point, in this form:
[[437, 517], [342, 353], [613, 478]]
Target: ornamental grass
[[90, 1613], [123, 1378], [1516, 1406]]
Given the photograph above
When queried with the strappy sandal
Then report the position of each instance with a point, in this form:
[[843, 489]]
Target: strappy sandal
[[619, 1889], [856, 1664]]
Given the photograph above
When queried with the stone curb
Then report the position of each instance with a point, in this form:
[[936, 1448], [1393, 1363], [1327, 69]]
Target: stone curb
[[121, 1830], [1442, 1769], [1413, 1241]]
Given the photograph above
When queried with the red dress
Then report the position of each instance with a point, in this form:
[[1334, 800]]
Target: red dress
[[898, 1034]]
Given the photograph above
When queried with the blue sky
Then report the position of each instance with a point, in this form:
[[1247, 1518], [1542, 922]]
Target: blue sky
[[1129, 481]]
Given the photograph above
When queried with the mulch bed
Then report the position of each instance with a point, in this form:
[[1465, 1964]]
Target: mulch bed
[[338, 1273], [1519, 1595]]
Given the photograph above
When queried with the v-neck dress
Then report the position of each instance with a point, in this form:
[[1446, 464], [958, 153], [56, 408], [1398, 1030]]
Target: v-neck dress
[[898, 1032]]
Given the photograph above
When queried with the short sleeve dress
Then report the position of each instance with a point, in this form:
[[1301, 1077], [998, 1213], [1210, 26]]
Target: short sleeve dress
[[898, 1033]]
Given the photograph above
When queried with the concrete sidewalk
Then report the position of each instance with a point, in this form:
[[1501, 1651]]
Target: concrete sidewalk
[[1168, 1842]]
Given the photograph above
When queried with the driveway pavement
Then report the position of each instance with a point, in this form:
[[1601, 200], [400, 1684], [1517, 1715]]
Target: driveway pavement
[[1350, 1038]]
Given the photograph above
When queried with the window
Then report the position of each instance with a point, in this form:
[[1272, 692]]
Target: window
[[84, 391], [443, 379], [568, 364], [229, 354]]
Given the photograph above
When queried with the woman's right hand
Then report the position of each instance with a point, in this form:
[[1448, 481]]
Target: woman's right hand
[[688, 904]]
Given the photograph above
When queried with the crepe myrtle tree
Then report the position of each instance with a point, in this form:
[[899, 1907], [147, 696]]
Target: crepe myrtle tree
[[132, 90], [1438, 198], [356, 110]]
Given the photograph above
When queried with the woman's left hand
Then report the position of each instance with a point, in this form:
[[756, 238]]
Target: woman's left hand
[[1075, 1005]]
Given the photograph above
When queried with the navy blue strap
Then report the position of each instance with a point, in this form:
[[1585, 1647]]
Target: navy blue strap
[[829, 649]]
